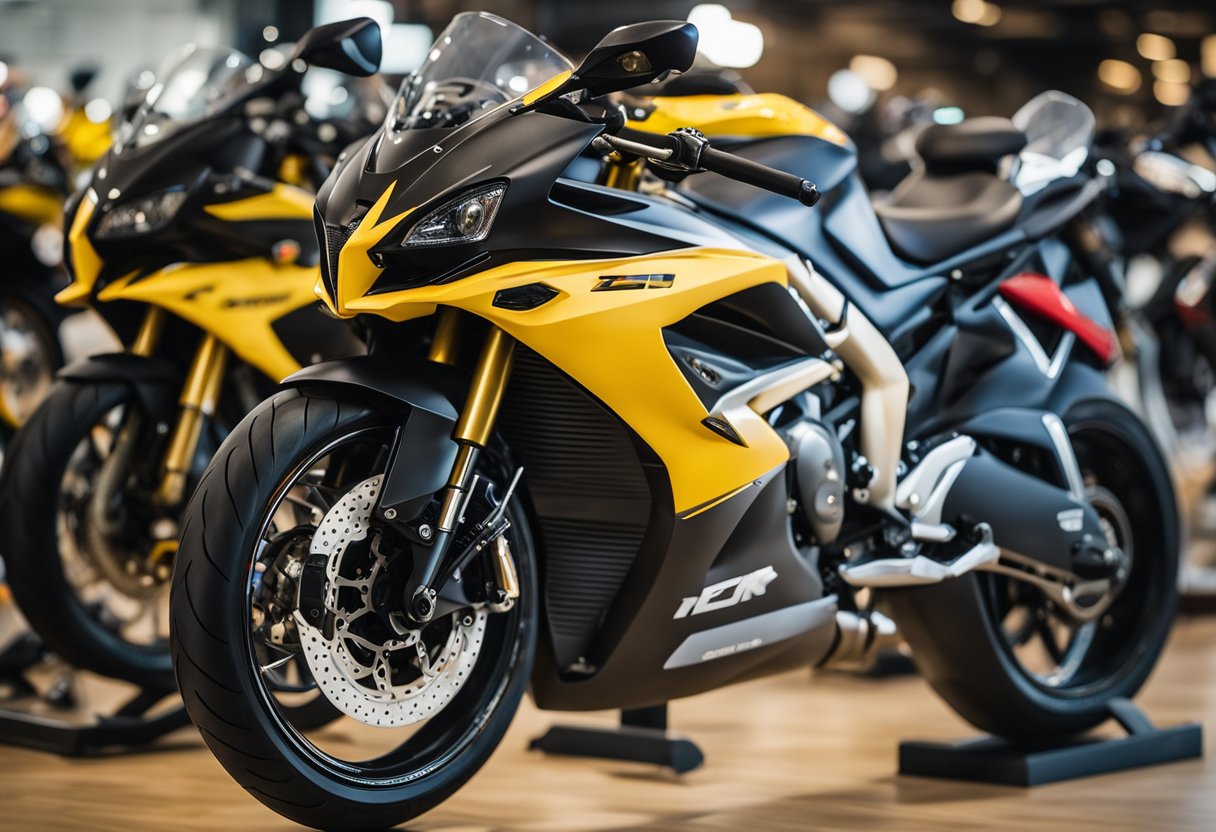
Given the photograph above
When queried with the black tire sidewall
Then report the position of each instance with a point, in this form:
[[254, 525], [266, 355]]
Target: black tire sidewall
[[30, 486], [248, 740]]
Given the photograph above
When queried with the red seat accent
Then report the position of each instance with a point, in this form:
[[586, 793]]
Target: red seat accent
[[1039, 294]]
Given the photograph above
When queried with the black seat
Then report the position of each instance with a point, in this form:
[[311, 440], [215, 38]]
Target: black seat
[[972, 145], [929, 217], [957, 200]]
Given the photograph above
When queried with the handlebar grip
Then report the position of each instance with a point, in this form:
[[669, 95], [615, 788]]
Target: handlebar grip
[[761, 176]]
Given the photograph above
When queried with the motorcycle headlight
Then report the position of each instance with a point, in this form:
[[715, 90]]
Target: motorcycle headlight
[[465, 219], [139, 216]]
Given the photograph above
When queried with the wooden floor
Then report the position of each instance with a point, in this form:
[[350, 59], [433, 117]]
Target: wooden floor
[[788, 753]]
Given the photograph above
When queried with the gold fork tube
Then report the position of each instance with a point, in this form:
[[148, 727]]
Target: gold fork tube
[[443, 346], [198, 400], [148, 338], [485, 393], [477, 419], [622, 174]]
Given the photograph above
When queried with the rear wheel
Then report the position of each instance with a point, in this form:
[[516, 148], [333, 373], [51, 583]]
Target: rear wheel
[[1015, 664], [282, 567]]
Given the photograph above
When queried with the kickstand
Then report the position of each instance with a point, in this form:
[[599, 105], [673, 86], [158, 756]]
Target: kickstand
[[641, 737]]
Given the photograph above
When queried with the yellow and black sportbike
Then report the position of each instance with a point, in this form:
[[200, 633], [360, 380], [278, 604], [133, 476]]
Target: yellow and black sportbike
[[627, 446], [189, 244], [34, 180]]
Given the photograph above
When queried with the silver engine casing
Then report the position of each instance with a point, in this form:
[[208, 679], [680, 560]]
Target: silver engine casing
[[818, 459]]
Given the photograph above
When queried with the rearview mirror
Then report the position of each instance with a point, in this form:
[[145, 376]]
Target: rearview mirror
[[352, 47], [636, 54], [81, 77]]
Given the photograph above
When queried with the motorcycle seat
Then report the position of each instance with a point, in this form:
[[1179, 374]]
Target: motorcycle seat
[[932, 216], [974, 144]]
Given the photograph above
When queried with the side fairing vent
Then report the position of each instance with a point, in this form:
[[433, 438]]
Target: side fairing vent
[[589, 490]]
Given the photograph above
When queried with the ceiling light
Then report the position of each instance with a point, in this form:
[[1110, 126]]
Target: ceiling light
[[1207, 56], [1170, 94], [1119, 76], [1174, 71], [849, 91], [878, 72], [978, 12], [724, 40], [1155, 47]]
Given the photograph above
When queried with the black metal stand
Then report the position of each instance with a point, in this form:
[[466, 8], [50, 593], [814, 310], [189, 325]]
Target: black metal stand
[[130, 727], [641, 738], [46, 722], [991, 760]]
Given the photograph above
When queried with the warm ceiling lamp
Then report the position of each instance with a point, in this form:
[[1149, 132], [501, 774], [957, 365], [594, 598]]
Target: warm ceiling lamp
[[1172, 71], [1207, 55], [978, 12], [1155, 47], [1119, 76], [1170, 94], [879, 73]]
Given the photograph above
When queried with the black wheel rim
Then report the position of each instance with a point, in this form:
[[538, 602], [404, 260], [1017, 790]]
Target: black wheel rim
[[1052, 651], [392, 756]]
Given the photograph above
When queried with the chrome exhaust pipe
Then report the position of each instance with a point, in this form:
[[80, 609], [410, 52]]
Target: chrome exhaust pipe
[[860, 635]]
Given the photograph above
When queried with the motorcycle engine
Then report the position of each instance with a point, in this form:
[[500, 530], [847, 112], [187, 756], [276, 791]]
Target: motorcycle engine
[[818, 461]]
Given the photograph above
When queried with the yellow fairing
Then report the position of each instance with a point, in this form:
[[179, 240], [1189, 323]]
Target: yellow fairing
[[610, 342], [29, 203], [283, 202], [86, 265], [236, 301], [753, 116], [86, 140]]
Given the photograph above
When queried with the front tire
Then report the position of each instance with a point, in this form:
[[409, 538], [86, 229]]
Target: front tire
[[229, 521], [46, 568], [958, 629]]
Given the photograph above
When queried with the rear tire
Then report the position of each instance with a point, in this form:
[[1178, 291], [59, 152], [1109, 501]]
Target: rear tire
[[211, 621], [962, 651]]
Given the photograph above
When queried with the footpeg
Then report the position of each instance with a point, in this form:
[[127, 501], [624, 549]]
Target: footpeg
[[921, 569]]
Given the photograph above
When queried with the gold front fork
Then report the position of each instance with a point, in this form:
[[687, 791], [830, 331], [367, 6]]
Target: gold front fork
[[623, 174], [198, 401], [443, 345], [477, 419], [148, 338]]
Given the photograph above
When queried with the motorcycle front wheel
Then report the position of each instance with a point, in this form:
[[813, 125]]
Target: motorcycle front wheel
[[425, 707], [1015, 665]]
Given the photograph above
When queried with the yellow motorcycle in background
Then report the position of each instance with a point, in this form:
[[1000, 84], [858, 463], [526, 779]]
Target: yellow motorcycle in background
[[193, 248], [34, 181]]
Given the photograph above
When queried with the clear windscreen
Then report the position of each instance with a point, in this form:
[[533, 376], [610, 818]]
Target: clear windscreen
[[1059, 133], [193, 83], [477, 63]]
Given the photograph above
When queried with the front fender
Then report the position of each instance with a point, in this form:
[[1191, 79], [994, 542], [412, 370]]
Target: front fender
[[156, 381], [423, 394]]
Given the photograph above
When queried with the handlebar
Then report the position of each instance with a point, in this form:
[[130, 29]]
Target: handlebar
[[688, 151]]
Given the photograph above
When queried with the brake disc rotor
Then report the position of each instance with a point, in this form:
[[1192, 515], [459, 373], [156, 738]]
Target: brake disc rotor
[[369, 671]]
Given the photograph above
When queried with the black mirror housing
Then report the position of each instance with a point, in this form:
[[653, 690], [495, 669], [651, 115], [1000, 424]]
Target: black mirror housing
[[353, 47], [81, 77], [636, 54]]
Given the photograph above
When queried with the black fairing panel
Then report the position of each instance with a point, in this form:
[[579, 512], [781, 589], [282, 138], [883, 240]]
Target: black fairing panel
[[640, 635], [529, 152]]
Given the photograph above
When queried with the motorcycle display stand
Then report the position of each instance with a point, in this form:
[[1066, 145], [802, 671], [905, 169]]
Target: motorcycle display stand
[[640, 738], [50, 723], [992, 760]]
